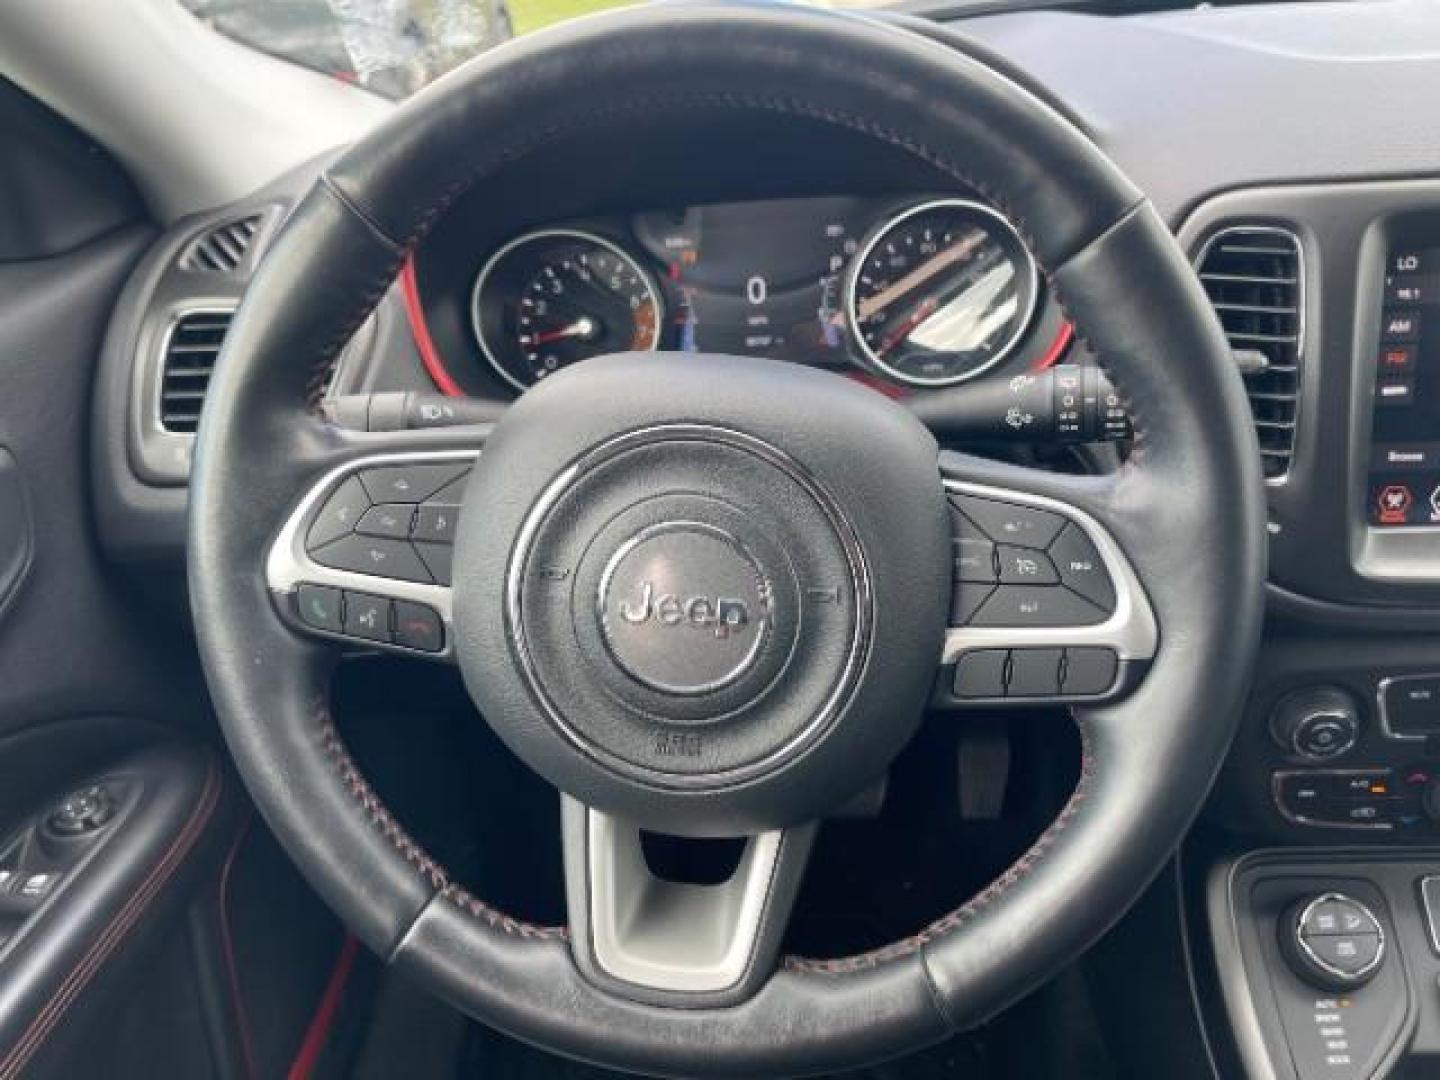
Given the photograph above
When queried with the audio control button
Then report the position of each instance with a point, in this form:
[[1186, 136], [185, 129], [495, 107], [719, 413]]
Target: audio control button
[[1323, 737], [1316, 724], [1412, 705]]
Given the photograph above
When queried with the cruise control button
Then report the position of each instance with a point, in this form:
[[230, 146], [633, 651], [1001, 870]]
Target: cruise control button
[[410, 483], [341, 512], [1081, 567], [963, 528], [1090, 670], [1035, 672], [367, 616], [388, 519], [418, 627], [974, 560], [453, 492], [1036, 605], [436, 522], [437, 558], [1006, 523], [319, 607], [373, 555], [1024, 566], [966, 600], [981, 674]]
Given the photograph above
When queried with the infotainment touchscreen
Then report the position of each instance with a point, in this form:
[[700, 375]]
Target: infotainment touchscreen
[[1404, 478]]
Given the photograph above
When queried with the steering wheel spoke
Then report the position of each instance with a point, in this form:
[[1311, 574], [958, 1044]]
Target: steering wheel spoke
[[365, 555], [705, 930], [1047, 607]]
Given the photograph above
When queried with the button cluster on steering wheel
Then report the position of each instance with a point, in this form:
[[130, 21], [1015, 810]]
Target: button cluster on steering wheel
[[1024, 566], [392, 521]]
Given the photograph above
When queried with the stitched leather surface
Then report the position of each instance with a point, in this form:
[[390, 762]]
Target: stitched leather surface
[[1188, 509], [48, 972]]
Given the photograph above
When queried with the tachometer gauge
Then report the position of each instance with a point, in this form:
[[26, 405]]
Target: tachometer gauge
[[941, 293], [551, 299]]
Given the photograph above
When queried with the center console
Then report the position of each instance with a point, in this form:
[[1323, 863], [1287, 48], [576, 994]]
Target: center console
[[1329, 962], [1321, 876]]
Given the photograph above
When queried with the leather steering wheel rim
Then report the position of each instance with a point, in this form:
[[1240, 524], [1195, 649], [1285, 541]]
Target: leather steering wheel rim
[[1187, 509]]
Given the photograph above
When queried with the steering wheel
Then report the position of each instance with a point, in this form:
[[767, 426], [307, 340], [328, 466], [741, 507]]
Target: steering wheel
[[713, 597]]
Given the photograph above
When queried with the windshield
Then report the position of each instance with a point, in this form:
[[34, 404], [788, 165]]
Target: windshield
[[393, 47]]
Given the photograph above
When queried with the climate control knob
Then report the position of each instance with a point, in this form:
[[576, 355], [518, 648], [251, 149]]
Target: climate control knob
[[1316, 724], [1332, 941]]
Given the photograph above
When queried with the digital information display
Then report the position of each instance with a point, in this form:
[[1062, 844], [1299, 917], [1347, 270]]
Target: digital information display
[[1404, 478]]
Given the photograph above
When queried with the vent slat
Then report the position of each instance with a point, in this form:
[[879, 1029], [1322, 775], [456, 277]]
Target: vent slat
[[222, 249], [1254, 309], [1253, 249], [1247, 279], [190, 353], [1249, 335], [1253, 276]]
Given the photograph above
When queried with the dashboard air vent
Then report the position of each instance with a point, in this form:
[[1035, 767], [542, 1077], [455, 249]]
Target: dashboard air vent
[[221, 250], [1254, 279], [189, 359]]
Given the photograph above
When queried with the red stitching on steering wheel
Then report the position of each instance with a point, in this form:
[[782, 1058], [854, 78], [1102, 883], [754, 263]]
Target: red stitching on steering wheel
[[388, 827]]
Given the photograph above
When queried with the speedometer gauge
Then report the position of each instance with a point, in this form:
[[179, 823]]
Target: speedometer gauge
[[551, 299], [941, 293]]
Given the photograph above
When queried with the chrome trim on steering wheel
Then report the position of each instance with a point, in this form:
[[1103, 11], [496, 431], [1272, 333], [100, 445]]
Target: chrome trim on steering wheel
[[1131, 630], [288, 565]]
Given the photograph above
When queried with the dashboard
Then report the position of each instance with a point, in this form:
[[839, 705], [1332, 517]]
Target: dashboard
[[919, 290], [1268, 136], [914, 292]]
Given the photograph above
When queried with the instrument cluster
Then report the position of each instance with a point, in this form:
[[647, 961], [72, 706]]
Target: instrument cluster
[[920, 292]]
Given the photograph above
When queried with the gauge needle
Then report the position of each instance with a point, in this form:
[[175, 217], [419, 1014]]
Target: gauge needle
[[922, 273], [922, 311], [581, 328]]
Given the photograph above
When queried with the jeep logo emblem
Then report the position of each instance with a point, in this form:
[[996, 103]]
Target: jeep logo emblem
[[721, 616], [669, 634]]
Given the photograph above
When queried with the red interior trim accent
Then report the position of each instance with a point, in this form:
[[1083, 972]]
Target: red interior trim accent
[[318, 1033], [875, 382], [420, 331], [440, 374], [227, 948], [1063, 337]]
